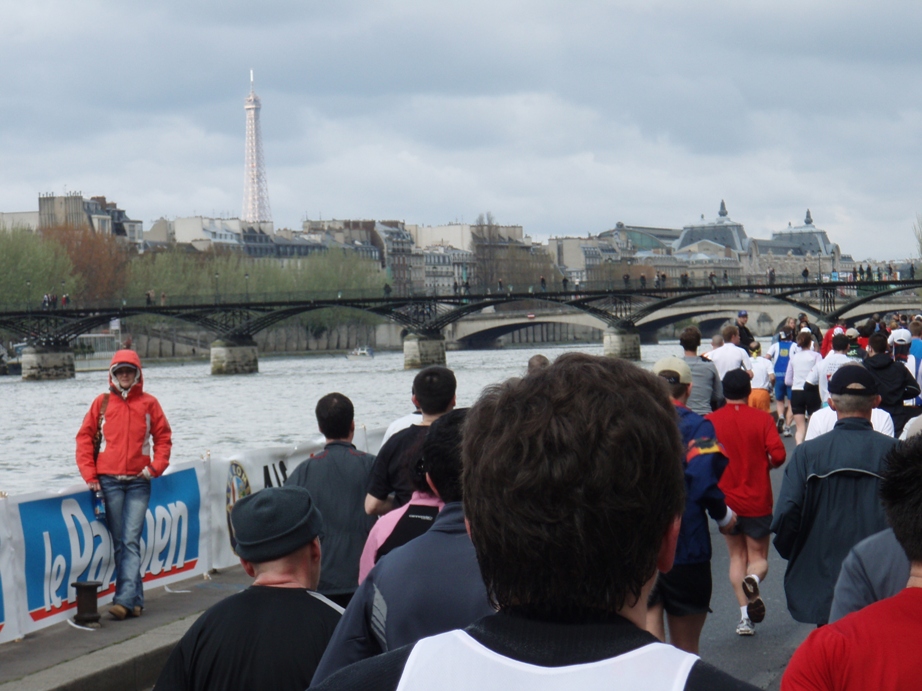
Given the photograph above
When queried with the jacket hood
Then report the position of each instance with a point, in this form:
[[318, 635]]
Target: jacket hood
[[879, 361], [125, 357]]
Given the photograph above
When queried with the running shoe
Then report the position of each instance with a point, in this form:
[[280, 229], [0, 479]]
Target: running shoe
[[756, 607], [745, 628], [787, 430], [780, 424]]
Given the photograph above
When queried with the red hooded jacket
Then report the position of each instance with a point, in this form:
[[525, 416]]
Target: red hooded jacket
[[131, 419]]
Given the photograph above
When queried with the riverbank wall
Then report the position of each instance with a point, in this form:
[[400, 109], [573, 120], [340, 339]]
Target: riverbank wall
[[173, 342]]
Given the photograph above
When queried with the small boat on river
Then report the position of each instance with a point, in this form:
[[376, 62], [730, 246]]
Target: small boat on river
[[360, 353]]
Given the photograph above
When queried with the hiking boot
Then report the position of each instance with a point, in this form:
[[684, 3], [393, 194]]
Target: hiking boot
[[118, 612], [756, 607], [745, 628]]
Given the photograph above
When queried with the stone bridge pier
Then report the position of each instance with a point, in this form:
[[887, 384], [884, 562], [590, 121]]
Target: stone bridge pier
[[621, 343], [41, 363], [422, 351], [234, 356]]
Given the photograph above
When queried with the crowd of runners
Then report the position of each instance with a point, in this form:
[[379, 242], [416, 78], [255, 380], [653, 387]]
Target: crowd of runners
[[556, 534]]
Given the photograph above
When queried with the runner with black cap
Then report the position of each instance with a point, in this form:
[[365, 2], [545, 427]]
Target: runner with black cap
[[753, 446], [829, 497]]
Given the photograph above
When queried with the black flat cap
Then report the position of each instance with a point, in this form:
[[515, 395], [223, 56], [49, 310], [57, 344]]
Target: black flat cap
[[274, 522]]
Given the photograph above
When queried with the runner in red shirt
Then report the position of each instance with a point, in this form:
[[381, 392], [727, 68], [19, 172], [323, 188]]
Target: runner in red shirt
[[752, 444]]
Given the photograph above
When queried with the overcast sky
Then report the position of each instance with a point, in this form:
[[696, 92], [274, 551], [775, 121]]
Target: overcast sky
[[564, 117]]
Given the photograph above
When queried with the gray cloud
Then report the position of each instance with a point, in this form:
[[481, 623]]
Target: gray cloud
[[564, 117]]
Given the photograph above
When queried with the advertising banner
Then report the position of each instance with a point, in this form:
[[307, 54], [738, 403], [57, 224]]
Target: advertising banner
[[50, 540], [63, 542], [9, 626], [235, 477], [247, 472]]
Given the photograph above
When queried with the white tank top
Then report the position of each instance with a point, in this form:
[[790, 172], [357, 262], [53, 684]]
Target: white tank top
[[454, 661]]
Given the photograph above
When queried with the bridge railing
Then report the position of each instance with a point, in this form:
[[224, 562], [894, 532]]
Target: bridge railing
[[845, 288], [221, 298]]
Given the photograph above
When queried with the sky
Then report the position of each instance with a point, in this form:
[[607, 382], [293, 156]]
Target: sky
[[562, 117]]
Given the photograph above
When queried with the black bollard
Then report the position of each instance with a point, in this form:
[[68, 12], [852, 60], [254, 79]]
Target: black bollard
[[87, 612]]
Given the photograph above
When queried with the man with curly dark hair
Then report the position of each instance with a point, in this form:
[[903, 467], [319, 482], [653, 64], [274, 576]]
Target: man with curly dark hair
[[573, 492]]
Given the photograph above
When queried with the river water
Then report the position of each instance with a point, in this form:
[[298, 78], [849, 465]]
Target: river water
[[223, 415]]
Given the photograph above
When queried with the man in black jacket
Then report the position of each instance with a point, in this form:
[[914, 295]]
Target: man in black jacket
[[573, 492], [895, 382], [746, 337], [829, 497]]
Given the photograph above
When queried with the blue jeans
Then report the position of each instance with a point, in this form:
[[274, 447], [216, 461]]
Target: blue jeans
[[126, 507]]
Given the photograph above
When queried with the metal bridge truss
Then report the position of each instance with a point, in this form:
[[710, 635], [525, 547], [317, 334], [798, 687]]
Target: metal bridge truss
[[429, 316]]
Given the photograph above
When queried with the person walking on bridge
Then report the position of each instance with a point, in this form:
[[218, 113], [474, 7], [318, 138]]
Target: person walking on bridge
[[746, 337], [114, 455]]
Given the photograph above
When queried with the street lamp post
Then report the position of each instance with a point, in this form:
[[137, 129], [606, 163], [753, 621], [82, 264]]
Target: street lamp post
[[216, 296], [29, 295], [246, 278]]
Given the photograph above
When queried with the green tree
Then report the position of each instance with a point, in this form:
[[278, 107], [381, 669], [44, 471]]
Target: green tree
[[30, 266]]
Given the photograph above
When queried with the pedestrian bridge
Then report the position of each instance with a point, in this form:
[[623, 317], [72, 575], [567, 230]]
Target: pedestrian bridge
[[765, 316], [426, 321]]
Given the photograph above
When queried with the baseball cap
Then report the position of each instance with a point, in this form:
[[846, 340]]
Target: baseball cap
[[742, 313], [852, 333], [901, 336], [854, 380], [676, 365]]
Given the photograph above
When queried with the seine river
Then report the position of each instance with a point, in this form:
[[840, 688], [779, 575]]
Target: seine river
[[223, 415]]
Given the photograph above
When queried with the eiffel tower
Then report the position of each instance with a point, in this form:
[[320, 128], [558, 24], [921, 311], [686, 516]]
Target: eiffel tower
[[255, 188]]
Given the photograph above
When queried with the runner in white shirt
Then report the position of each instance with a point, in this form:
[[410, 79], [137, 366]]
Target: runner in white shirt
[[822, 372], [730, 356], [763, 379], [824, 420], [803, 401], [900, 342]]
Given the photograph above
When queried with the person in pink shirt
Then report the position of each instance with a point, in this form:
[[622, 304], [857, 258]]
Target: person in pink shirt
[[399, 527]]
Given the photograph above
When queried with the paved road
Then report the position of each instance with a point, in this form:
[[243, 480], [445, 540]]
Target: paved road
[[758, 659]]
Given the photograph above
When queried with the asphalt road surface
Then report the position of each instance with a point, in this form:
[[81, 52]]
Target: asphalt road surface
[[762, 658]]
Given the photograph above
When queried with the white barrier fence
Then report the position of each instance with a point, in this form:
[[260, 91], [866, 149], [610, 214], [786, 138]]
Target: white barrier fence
[[50, 540]]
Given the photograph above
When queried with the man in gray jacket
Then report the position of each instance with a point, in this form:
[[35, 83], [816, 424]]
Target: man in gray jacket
[[707, 393], [336, 478], [429, 585], [829, 496]]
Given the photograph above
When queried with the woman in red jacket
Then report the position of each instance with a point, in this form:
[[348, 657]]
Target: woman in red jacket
[[127, 420]]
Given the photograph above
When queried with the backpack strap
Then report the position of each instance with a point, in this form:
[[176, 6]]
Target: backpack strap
[[97, 439]]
